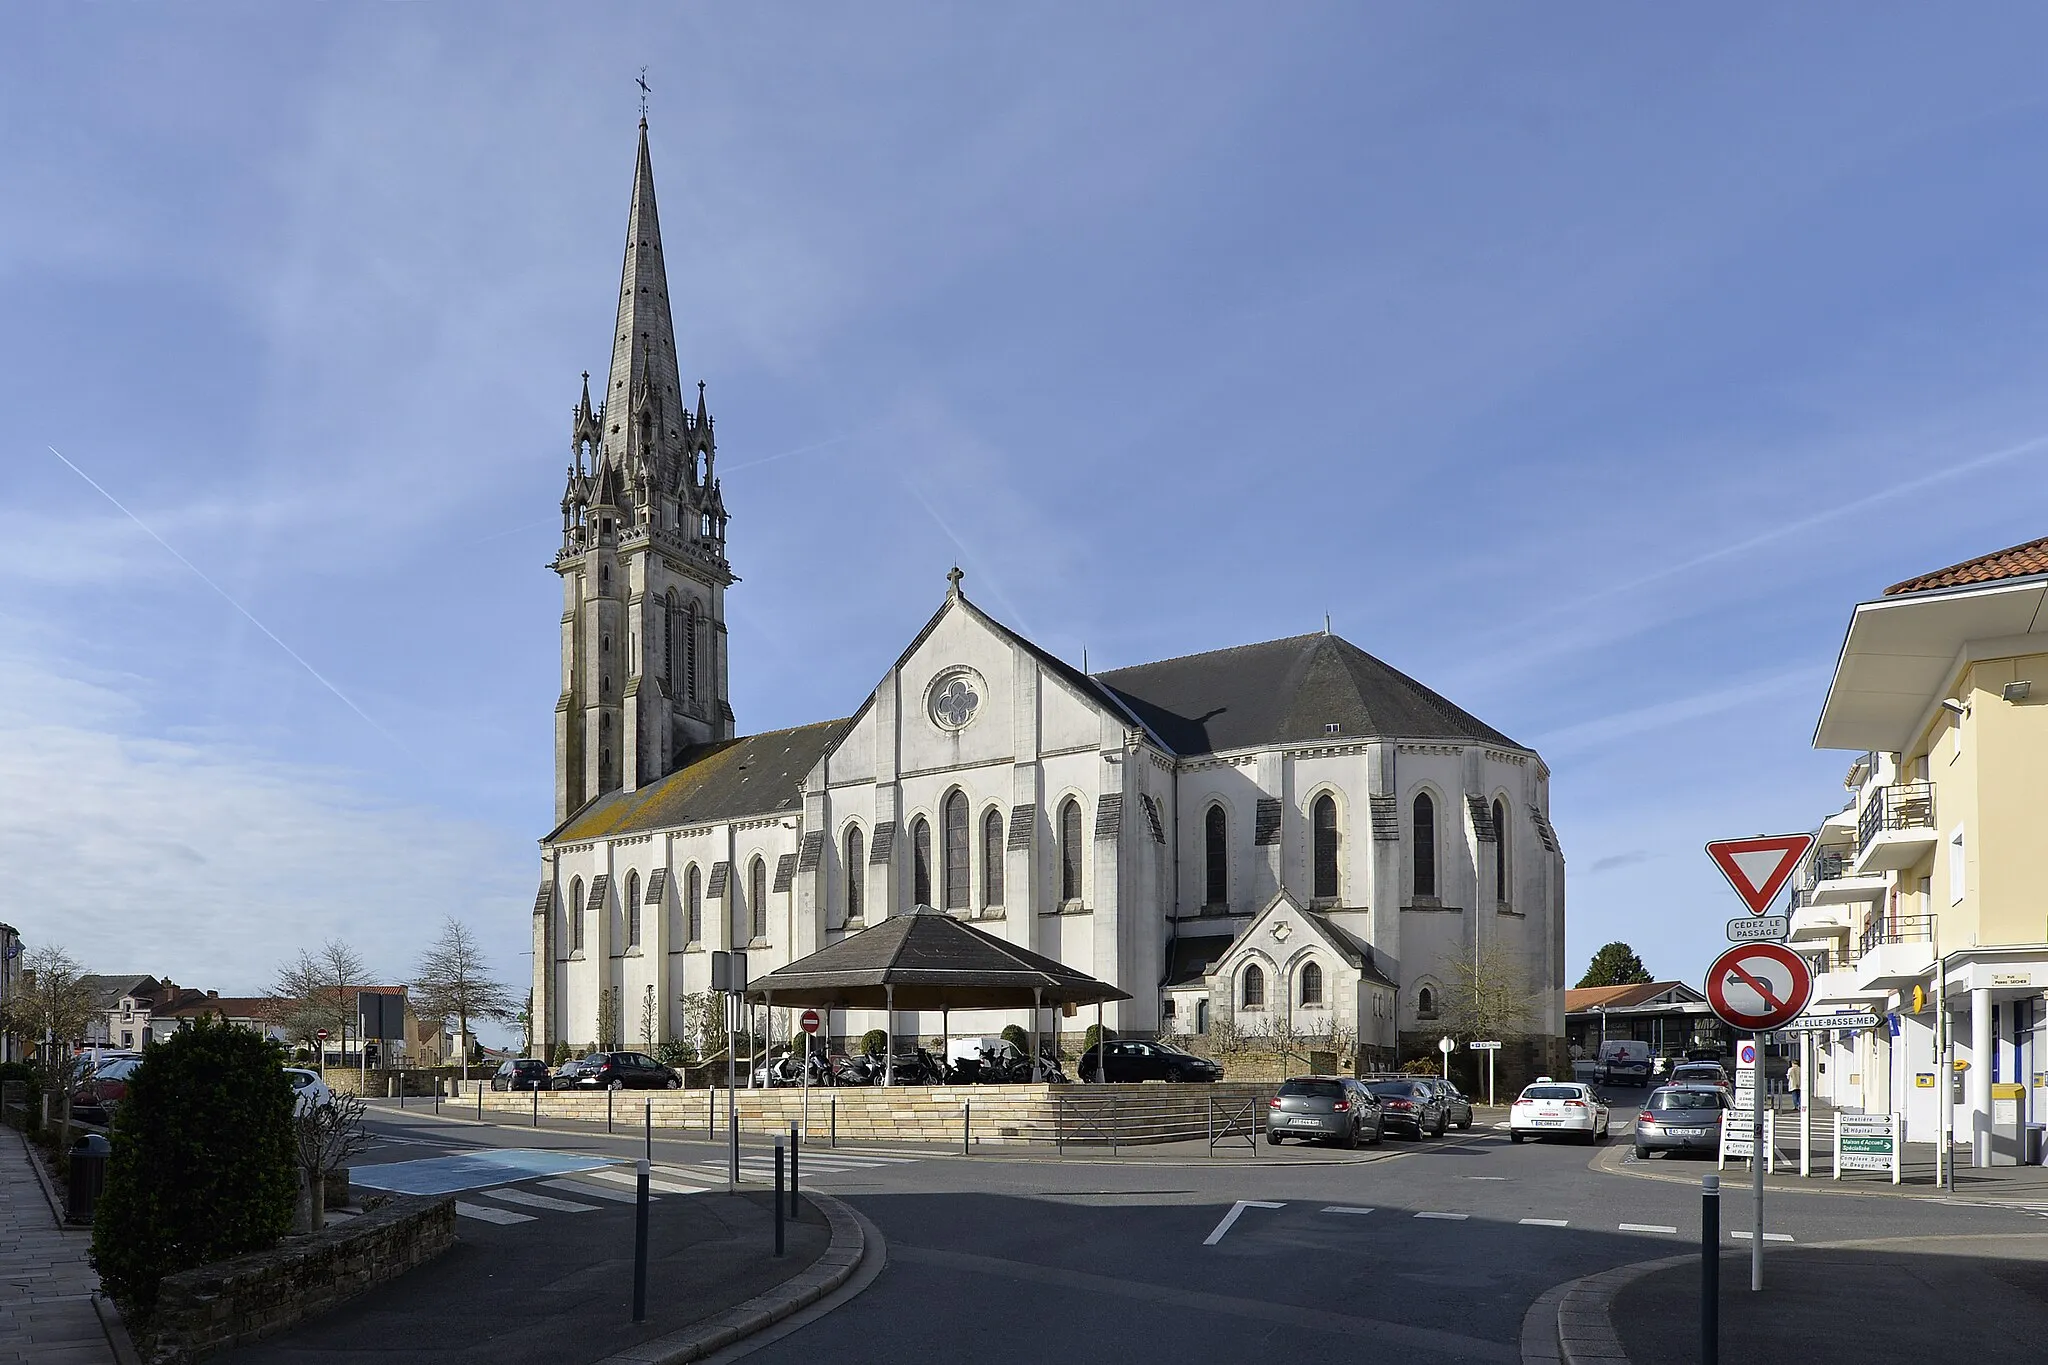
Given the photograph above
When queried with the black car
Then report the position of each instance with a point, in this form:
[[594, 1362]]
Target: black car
[[1123, 1059], [1334, 1107], [1413, 1106], [617, 1071], [523, 1073], [1457, 1109]]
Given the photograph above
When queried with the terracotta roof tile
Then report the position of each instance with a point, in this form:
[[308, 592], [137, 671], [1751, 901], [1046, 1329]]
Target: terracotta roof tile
[[1614, 997], [2016, 562]]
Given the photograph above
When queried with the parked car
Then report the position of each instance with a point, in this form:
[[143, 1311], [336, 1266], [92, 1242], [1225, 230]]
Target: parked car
[[1681, 1118], [1624, 1061], [94, 1099], [522, 1073], [1334, 1107], [1701, 1073], [309, 1092], [1411, 1105], [1550, 1108], [1457, 1109], [617, 1071], [1132, 1060]]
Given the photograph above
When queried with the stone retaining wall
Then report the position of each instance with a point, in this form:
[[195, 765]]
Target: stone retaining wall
[[233, 1303], [994, 1114]]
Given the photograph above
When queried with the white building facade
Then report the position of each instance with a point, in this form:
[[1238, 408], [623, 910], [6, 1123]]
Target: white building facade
[[1286, 826]]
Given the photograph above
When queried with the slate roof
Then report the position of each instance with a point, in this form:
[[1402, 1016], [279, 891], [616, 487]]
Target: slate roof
[[1287, 691], [2018, 561], [1192, 958], [754, 775], [933, 961], [106, 991], [1582, 998]]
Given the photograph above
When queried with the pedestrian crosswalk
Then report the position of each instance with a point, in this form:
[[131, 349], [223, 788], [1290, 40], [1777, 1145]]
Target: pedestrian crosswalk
[[620, 1184]]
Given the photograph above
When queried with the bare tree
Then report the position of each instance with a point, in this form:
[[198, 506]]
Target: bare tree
[[317, 989], [453, 982], [327, 1135], [1489, 996], [53, 1004], [650, 1021], [608, 1005]]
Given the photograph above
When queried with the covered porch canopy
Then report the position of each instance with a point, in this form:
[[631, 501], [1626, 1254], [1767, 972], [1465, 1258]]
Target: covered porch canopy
[[925, 959]]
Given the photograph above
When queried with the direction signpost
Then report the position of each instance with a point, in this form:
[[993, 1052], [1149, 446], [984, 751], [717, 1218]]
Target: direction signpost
[[810, 1022], [1755, 987], [1489, 1049]]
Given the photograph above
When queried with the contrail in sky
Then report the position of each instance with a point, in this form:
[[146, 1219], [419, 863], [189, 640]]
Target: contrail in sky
[[246, 613]]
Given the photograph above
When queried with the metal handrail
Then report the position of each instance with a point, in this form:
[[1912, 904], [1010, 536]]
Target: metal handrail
[[1906, 805], [1897, 929]]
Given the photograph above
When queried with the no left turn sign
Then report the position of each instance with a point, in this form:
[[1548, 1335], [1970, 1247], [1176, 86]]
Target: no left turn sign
[[1757, 987]]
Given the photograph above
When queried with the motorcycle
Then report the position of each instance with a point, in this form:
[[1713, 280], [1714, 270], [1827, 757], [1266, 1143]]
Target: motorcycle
[[863, 1070]]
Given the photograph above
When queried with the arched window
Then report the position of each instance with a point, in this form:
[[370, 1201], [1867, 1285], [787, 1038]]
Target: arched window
[[693, 905], [1070, 850], [1312, 984], [757, 899], [576, 915], [992, 859], [632, 909], [921, 861], [1252, 988], [1425, 1003], [1325, 822], [856, 870], [668, 641], [690, 651], [1500, 851], [1424, 836], [955, 815], [1216, 857]]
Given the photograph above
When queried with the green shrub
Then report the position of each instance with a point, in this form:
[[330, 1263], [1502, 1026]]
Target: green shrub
[[31, 1079], [1095, 1033], [204, 1166], [1015, 1036], [874, 1042], [675, 1052], [560, 1055], [1423, 1066]]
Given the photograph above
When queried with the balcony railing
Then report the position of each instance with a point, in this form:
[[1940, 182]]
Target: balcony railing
[[1896, 929], [1907, 805]]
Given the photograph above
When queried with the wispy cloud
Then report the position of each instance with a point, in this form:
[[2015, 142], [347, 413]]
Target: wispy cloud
[[1609, 730]]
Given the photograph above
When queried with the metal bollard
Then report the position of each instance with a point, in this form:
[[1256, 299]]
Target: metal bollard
[[640, 1247], [479, 1101], [1710, 1270], [966, 1129], [796, 1147], [536, 1106], [835, 1120], [778, 1196], [88, 1176], [608, 1110], [650, 1130]]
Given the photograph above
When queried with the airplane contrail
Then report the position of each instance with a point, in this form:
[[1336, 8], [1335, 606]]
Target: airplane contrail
[[226, 597]]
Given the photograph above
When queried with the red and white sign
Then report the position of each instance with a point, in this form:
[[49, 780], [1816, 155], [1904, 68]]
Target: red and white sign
[[809, 1019], [1756, 987], [321, 1034], [1758, 868]]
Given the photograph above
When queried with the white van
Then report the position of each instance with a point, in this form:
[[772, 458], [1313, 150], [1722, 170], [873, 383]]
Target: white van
[[1625, 1061]]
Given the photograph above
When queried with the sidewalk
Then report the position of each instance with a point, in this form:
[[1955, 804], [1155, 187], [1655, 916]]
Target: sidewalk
[[46, 1287], [1993, 1184]]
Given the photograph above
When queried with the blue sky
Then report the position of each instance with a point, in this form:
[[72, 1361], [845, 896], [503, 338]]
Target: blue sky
[[1587, 365]]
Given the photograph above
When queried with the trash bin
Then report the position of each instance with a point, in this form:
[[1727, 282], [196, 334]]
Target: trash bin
[[88, 1175], [2037, 1134]]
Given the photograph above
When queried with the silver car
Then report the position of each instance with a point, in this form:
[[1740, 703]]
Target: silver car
[[1681, 1118], [1334, 1107]]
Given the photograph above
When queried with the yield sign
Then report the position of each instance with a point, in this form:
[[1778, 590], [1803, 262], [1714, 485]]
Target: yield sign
[[1758, 868], [1756, 987]]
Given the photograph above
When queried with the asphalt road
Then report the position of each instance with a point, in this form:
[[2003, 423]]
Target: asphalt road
[[1435, 1249]]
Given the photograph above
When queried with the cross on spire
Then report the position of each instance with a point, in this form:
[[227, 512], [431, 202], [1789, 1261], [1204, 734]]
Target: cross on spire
[[953, 577], [641, 81]]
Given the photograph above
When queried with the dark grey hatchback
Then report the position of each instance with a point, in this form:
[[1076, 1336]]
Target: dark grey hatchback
[[1334, 1107]]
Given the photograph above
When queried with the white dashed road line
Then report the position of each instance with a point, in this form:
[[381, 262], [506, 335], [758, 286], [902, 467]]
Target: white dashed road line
[[1768, 1237], [1343, 1208], [538, 1201], [1545, 1222], [487, 1214], [596, 1191], [1648, 1227], [1236, 1209], [1447, 1217]]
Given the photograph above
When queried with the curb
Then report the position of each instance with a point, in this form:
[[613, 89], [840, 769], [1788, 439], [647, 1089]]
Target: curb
[[50, 1196], [1609, 1162], [833, 1268], [1583, 1325]]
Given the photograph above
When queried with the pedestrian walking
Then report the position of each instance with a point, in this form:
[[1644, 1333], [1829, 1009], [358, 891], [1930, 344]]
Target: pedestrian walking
[[1792, 1083]]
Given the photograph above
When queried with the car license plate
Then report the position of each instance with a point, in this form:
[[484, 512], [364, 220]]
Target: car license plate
[[1552, 1122]]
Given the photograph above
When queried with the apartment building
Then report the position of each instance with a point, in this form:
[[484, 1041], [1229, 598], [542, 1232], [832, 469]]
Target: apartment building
[[1928, 891]]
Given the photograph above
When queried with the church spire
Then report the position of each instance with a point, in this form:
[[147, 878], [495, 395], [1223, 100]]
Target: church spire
[[643, 376]]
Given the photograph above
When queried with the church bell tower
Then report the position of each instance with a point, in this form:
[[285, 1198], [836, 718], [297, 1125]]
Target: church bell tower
[[642, 561]]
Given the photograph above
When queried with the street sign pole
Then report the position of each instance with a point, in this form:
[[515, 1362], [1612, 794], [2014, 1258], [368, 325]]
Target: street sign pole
[[1756, 1163]]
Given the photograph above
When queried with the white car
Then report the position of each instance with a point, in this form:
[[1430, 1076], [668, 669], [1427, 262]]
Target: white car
[[309, 1092], [1548, 1107]]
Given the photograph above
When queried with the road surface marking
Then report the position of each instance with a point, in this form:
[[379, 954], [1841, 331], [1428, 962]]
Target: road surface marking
[[491, 1215], [1235, 1209], [1544, 1222], [631, 1180], [1768, 1237], [1343, 1208], [539, 1201], [597, 1191], [1448, 1217], [1648, 1227], [1485, 1177]]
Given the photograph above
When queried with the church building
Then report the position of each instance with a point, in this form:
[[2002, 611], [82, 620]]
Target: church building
[[1288, 838]]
